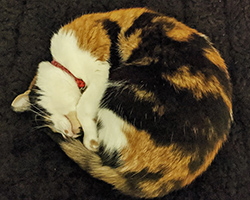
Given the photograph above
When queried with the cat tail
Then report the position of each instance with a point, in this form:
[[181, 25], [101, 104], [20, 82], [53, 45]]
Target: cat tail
[[91, 162]]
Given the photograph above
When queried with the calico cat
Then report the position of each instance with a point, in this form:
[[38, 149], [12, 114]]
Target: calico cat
[[152, 96]]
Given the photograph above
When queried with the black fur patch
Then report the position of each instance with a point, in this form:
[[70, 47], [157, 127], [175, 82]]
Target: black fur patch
[[195, 164], [34, 95], [141, 22], [113, 30], [177, 184], [108, 158], [57, 137], [111, 159], [185, 121], [99, 125], [34, 98]]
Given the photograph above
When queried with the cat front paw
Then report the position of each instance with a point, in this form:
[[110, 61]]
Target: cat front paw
[[91, 144]]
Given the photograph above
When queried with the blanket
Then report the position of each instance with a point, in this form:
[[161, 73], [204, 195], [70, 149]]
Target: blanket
[[32, 166]]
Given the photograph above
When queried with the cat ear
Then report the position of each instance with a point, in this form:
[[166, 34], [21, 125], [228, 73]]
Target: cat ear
[[21, 103]]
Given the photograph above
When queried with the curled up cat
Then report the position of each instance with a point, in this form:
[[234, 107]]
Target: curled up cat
[[151, 96]]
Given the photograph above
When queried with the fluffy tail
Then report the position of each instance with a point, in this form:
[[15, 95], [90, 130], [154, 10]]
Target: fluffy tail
[[91, 162]]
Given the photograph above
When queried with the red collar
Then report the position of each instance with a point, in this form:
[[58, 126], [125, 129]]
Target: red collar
[[81, 84]]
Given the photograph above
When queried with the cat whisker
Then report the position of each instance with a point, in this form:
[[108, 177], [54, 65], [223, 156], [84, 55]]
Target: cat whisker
[[41, 111], [39, 114], [37, 119], [40, 127]]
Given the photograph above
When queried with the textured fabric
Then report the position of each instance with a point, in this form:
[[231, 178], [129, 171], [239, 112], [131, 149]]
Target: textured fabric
[[32, 166]]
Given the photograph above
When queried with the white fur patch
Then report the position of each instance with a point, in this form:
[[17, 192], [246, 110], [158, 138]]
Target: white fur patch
[[111, 133], [60, 93], [65, 50]]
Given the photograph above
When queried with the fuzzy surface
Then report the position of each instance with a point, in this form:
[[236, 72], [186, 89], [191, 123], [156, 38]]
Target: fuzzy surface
[[32, 166]]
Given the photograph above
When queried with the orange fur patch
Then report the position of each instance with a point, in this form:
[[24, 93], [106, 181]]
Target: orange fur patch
[[141, 94], [127, 45], [159, 109], [126, 17], [145, 61], [198, 84], [143, 153], [214, 56], [181, 32], [91, 35]]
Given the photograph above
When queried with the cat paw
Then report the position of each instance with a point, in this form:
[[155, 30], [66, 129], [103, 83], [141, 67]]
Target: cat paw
[[91, 145]]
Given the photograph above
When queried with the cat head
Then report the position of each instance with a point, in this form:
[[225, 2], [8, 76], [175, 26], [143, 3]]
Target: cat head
[[52, 97], [54, 93]]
